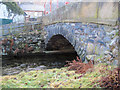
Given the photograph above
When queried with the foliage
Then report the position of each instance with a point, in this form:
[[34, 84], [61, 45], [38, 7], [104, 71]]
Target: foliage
[[58, 78], [117, 33], [79, 66], [112, 80], [12, 7]]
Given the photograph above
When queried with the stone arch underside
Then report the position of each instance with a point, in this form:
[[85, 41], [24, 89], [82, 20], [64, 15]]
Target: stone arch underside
[[59, 42]]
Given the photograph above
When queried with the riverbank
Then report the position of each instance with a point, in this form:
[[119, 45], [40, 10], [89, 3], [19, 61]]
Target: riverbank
[[58, 78]]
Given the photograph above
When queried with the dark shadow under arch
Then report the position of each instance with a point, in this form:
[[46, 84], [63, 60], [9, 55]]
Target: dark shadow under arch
[[61, 48], [59, 42]]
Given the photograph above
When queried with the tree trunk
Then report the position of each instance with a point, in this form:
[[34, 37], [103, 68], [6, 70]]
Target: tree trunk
[[13, 16]]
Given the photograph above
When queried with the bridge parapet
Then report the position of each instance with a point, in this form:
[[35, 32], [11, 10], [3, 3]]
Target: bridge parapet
[[87, 12]]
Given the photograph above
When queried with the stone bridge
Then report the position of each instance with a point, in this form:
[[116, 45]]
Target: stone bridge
[[90, 27], [87, 39]]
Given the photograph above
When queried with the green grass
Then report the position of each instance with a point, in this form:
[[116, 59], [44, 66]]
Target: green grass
[[55, 78]]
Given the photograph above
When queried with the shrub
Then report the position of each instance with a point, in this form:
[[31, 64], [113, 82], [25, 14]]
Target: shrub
[[78, 66], [112, 80]]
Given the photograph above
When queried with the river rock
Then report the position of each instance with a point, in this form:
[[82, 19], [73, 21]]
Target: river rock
[[28, 38], [35, 41], [39, 43], [30, 69], [39, 38], [16, 72], [23, 65], [18, 67], [40, 67]]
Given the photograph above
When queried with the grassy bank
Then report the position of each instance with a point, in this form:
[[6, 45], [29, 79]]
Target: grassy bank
[[57, 78]]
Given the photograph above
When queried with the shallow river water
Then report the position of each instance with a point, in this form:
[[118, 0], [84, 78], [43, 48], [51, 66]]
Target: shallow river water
[[35, 62]]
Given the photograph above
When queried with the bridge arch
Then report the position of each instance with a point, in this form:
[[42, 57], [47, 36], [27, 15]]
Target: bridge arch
[[68, 34]]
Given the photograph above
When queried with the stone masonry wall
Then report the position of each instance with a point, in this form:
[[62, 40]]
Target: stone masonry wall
[[91, 41], [23, 43]]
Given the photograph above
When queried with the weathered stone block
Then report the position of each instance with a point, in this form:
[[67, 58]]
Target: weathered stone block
[[90, 48]]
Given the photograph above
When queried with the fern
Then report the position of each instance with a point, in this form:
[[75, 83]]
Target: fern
[[78, 66]]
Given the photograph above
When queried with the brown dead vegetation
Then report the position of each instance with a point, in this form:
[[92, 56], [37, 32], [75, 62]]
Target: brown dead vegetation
[[78, 66]]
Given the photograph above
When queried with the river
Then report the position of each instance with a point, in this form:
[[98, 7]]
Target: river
[[15, 65]]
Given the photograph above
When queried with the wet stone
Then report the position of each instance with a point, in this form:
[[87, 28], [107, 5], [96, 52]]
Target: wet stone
[[35, 41], [23, 65], [40, 67]]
